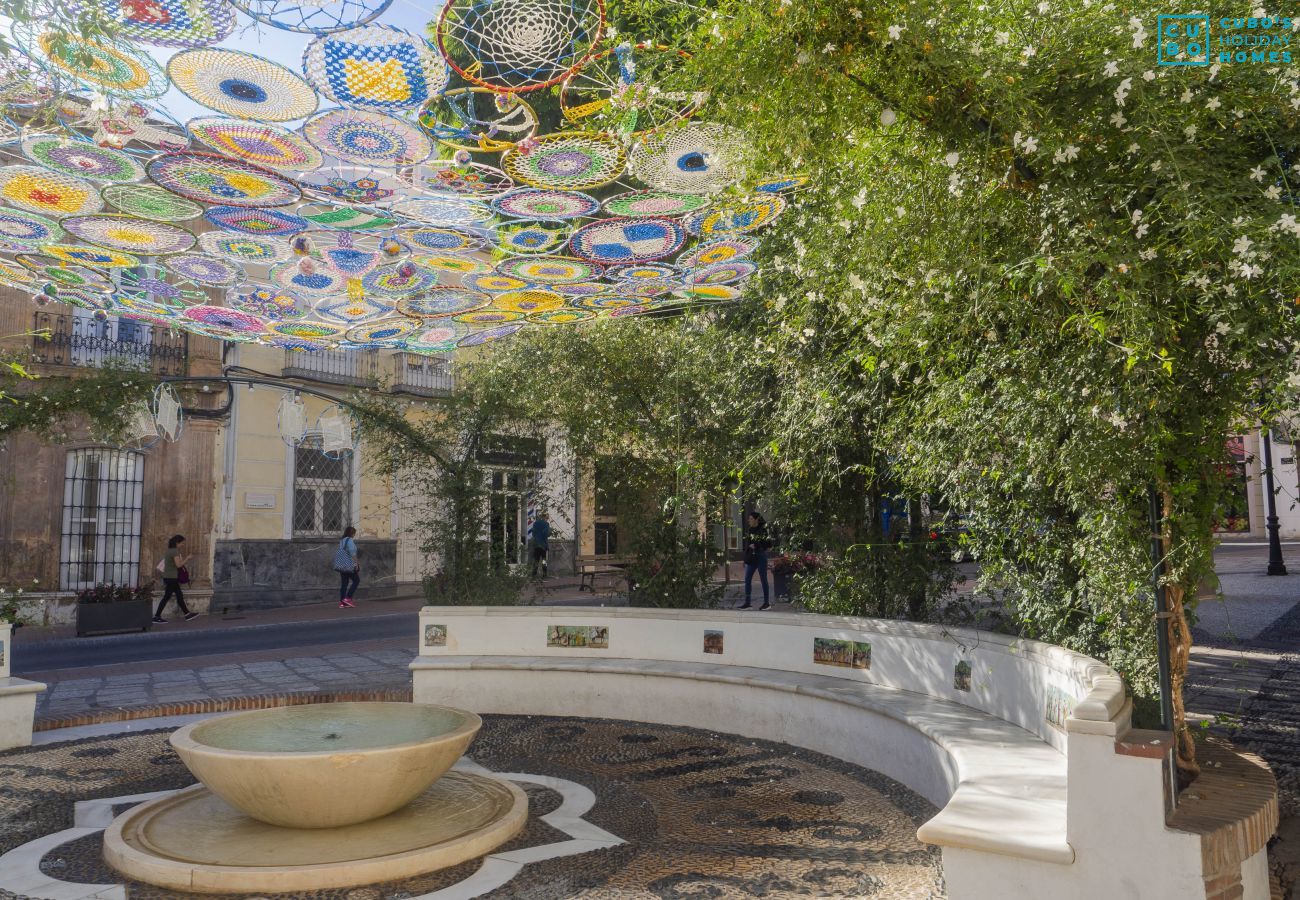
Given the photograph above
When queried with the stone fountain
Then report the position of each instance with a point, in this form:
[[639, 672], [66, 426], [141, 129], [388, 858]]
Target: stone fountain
[[321, 796]]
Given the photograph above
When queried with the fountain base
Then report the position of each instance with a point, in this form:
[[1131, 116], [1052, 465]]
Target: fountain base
[[194, 841]]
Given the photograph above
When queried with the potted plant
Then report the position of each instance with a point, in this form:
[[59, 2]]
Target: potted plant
[[786, 569], [110, 608]]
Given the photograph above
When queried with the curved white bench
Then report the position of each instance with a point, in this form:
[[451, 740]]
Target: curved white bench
[[1020, 817]]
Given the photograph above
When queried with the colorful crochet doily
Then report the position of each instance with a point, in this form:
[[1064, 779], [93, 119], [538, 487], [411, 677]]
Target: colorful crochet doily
[[450, 178], [636, 204], [351, 311], [561, 316], [21, 231], [728, 219], [545, 204], [444, 239], [440, 302], [128, 233], [170, 23], [100, 258], [533, 237], [487, 335], [260, 143], [245, 248], [549, 269], [109, 68], [699, 158], [207, 270], [568, 160], [82, 159], [41, 191], [376, 67], [251, 220], [367, 138], [627, 240], [148, 201], [714, 252], [528, 302], [225, 319], [210, 178], [242, 85]]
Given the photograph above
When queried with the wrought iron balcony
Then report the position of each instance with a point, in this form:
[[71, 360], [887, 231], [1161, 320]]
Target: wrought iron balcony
[[356, 368], [428, 376], [74, 339]]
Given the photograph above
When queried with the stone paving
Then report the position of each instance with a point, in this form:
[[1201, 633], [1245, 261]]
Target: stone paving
[[350, 671], [690, 814]]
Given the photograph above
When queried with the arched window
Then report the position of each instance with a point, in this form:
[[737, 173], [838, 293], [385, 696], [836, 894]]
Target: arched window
[[103, 491]]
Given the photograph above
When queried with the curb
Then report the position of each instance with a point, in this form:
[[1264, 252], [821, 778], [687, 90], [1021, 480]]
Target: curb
[[225, 704]]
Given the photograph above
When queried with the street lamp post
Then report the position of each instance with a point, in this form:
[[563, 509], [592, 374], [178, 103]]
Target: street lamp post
[[1275, 564]]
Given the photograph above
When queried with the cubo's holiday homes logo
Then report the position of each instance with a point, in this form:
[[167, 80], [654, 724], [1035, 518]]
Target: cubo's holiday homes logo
[[1198, 40]]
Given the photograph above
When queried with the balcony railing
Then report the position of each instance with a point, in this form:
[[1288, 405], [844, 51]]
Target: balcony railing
[[357, 368], [68, 339], [428, 376]]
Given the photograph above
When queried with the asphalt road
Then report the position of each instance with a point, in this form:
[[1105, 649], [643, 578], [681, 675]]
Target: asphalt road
[[164, 644]]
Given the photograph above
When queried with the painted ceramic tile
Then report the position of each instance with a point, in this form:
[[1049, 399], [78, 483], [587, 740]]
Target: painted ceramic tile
[[1059, 706], [713, 642], [849, 654], [594, 636], [961, 675], [435, 635]]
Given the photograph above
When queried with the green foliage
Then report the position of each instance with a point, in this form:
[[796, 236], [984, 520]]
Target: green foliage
[[53, 407], [433, 461], [900, 580]]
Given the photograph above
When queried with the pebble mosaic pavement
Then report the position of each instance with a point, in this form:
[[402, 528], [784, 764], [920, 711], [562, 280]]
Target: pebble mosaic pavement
[[704, 815]]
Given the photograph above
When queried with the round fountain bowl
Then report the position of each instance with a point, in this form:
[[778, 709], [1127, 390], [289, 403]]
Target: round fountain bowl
[[325, 765]]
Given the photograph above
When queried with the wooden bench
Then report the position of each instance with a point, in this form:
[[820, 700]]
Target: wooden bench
[[592, 567]]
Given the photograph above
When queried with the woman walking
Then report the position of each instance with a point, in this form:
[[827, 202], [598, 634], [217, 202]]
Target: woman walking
[[174, 574], [345, 563]]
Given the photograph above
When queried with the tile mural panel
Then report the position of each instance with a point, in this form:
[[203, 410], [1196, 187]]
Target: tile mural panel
[[961, 675], [713, 642], [435, 635], [1059, 704], [595, 637], [836, 652]]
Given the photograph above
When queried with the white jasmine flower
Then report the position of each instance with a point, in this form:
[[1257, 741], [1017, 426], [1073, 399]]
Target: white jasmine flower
[[1118, 120], [1143, 229], [951, 160], [1241, 246], [1186, 96], [1002, 38], [1273, 192], [896, 31], [1257, 173], [1190, 131], [1121, 92], [1111, 70], [1213, 103], [1148, 75]]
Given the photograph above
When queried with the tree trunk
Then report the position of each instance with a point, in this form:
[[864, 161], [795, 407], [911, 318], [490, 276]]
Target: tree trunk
[[1180, 649]]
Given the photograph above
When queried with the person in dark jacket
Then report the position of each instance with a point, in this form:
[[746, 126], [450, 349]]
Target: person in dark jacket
[[756, 545], [540, 532]]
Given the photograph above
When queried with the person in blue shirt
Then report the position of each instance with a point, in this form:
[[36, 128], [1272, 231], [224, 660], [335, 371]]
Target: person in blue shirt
[[540, 532], [349, 569]]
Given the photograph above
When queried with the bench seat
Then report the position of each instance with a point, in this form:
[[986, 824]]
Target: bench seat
[[1010, 795]]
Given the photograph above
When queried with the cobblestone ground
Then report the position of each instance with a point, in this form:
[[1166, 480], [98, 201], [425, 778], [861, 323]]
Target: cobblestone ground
[[1270, 726], [334, 672], [702, 815]]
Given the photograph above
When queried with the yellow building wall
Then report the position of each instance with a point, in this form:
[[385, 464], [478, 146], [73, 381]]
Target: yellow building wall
[[263, 461]]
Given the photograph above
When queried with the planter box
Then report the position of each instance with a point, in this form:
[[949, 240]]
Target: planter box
[[110, 618]]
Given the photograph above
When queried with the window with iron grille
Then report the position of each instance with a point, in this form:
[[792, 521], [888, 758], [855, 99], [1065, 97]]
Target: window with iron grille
[[102, 495], [322, 490]]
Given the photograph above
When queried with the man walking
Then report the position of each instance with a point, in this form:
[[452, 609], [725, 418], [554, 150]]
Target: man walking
[[540, 532]]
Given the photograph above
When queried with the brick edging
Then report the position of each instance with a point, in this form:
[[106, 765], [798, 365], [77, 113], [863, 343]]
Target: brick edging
[[224, 704]]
